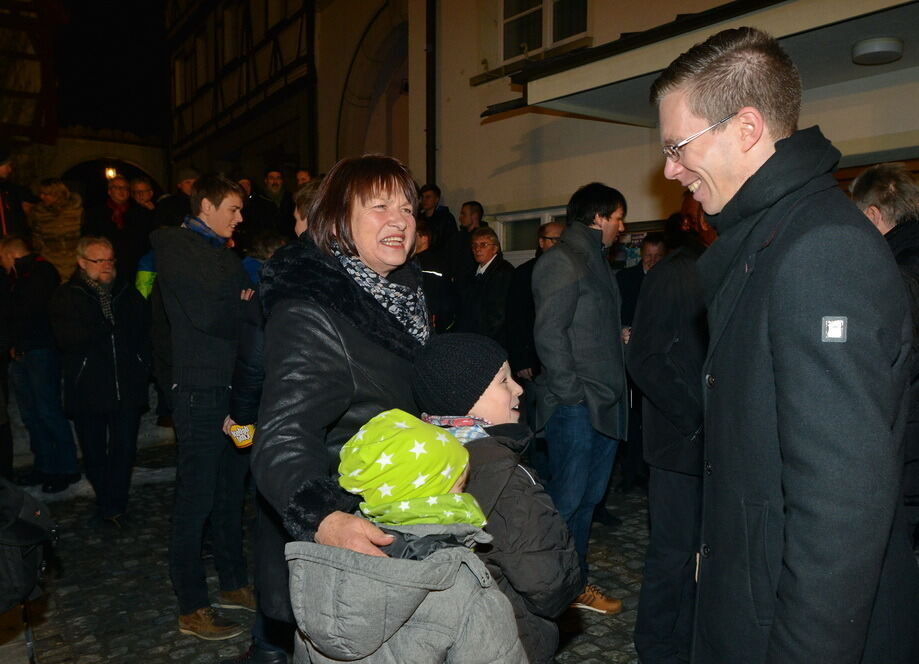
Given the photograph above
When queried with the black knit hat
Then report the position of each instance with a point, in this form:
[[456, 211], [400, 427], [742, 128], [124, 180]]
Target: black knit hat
[[453, 370]]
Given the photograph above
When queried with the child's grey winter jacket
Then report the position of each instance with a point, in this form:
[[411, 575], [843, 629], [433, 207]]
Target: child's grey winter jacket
[[358, 608]]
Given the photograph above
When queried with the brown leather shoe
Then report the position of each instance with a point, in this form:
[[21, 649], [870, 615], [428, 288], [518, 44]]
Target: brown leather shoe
[[241, 598], [209, 625], [593, 599]]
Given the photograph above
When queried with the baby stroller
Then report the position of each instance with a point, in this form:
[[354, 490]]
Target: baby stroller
[[25, 529]]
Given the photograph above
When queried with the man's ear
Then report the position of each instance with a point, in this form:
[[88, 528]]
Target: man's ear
[[207, 207], [751, 126], [873, 213]]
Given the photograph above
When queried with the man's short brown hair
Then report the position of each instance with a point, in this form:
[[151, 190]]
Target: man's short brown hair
[[214, 187], [732, 69], [891, 188], [485, 232], [350, 180], [304, 196]]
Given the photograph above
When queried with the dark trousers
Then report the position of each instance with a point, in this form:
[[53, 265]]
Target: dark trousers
[[6, 432], [210, 477], [631, 454], [36, 381], [663, 626], [581, 460], [109, 445]]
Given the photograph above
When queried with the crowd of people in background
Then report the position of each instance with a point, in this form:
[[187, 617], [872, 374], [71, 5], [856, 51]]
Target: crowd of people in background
[[306, 313]]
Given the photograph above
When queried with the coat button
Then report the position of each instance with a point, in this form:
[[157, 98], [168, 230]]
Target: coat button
[[706, 551], [710, 380], [708, 467]]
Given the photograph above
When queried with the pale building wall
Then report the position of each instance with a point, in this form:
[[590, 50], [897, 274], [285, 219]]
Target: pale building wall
[[529, 160], [867, 116], [340, 28]]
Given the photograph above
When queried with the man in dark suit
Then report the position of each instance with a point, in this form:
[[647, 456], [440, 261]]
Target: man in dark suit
[[521, 309], [631, 462], [583, 385], [439, 294], [652, 250], [457, 249], [888, 194], [804, 553], [483, 294], [664, 356]]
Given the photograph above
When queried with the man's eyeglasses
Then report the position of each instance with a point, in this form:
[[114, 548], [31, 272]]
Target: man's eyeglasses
[[672, 152], [550, 238], [96, 261], [482, 245]]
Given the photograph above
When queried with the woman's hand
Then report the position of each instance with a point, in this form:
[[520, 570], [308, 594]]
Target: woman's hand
[[352, 532]]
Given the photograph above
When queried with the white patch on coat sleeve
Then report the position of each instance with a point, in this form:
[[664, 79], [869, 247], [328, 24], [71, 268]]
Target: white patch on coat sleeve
[[834, 329]]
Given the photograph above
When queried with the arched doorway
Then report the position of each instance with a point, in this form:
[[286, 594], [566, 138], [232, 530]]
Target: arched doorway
[[373, 115], [90, 181]]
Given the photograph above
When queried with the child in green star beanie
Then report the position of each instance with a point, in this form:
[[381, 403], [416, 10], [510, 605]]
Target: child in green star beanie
[[408, 472], [429, 599]]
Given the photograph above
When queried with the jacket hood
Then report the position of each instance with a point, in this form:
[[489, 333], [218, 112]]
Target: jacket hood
[[300, 271], [349, 604]]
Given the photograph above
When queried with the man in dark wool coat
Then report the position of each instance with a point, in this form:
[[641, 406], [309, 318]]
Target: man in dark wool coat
[[804, 554]]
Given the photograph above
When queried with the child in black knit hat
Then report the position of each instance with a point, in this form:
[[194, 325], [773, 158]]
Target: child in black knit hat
[[462, 382]]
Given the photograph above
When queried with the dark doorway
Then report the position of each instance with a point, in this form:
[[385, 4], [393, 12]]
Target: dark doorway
[[90, 181]]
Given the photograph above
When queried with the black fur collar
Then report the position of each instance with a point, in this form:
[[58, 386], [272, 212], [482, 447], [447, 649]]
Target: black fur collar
[[300, 271]]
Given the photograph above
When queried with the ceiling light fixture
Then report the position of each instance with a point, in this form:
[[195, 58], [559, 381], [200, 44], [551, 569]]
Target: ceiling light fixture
[[877, 51]]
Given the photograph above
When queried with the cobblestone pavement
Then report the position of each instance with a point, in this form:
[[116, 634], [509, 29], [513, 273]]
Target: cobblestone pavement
[[110, 600]]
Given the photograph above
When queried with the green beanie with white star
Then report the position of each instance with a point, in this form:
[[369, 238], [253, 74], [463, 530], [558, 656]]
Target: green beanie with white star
[[404, 469]]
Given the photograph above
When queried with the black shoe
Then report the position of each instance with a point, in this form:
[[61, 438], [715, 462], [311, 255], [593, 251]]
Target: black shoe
[[32, 478], [256, 655], [605, 517], [58, 483]]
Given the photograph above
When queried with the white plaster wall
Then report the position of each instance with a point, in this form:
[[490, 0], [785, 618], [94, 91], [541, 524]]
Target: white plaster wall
[[529, 161], [869, 115]]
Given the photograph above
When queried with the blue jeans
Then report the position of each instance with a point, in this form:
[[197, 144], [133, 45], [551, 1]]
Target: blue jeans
[[36, 382], [210, 480], [581, 459]]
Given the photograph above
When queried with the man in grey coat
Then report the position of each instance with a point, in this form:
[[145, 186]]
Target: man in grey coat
[[577, 335], [804, 552]]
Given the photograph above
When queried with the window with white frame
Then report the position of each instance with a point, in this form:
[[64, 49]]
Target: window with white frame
[[531, 26], [517, 231]]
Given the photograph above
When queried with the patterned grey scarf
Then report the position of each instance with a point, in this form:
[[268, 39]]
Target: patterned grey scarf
[[406, 304], [104, 291]]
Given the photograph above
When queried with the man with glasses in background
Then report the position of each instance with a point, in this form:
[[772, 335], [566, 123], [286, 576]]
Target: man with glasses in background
[[101, 327], [804, 554], [483, 294]]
